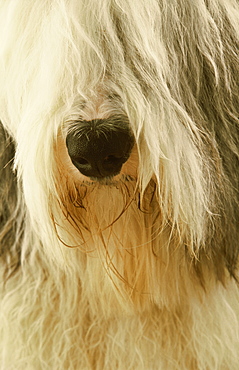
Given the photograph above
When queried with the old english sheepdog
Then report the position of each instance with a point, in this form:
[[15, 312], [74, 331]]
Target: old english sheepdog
[[119, 214]]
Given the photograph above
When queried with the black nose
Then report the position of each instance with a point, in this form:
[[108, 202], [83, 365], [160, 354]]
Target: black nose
[[98, 148]]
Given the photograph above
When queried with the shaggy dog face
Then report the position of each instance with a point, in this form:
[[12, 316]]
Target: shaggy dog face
[[119, 184]]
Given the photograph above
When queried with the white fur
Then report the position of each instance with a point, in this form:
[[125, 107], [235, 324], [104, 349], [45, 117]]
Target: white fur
[[105, 283]]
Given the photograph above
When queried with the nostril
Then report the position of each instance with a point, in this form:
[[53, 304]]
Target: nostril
[[82, 161], [113, 159]]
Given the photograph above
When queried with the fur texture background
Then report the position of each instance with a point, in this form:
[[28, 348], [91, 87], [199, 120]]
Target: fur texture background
[[140, 271]]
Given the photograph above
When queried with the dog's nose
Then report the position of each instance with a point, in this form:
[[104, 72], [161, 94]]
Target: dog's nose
[[100, 147]]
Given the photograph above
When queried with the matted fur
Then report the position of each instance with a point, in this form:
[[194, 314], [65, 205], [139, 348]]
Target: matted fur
[[140, 271]]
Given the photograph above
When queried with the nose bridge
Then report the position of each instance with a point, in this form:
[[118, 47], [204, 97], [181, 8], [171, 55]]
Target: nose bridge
[[98, 148], [116, 123]]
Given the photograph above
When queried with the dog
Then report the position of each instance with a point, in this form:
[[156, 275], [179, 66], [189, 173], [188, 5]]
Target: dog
[[119, 217]]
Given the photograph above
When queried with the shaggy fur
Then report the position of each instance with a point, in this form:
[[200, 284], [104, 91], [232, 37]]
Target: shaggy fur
[[138, 271]]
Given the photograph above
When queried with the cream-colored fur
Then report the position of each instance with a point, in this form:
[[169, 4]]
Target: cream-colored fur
[[139, 271]]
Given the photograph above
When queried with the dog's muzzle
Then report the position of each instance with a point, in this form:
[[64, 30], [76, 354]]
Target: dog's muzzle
[[100, 147]]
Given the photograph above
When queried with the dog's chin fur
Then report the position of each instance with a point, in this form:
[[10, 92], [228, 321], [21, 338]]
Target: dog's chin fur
[[137, 270]]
